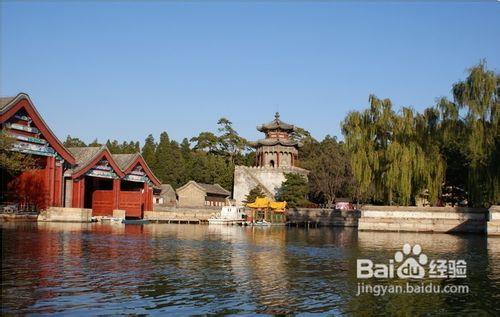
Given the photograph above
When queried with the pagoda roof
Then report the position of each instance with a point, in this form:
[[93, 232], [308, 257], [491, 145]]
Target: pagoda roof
[[272, 141], [276, 124]]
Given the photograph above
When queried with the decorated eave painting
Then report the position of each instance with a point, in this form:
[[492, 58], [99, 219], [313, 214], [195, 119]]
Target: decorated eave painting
[[102, 169], [29, 138], [138, 175]]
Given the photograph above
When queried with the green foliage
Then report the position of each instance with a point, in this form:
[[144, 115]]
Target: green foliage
[[12, 162], [256, 192], [96, 143], [124, 148], [148, 152], [73, 142], [330, 171], [393, 155], [479, 133], [170, 163], [396, 156], [293, 190], [210, 160]]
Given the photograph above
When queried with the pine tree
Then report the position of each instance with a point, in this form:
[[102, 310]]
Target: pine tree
[[73, 142], [148, 153], [293, 190], [256, 192]]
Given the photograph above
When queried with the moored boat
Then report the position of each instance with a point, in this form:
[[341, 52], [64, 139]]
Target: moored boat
[[229, 215], [135, 221]]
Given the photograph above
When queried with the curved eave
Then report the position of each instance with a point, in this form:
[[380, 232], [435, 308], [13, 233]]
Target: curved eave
[[104, 153], [140, 160], [22, 100], [266, 128], [265, 142]]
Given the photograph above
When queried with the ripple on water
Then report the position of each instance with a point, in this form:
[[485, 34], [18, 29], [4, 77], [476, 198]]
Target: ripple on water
[[188, 269]]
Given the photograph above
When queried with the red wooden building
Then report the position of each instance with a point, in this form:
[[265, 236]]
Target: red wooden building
[[86, 177], [106, 182], [42, 185]]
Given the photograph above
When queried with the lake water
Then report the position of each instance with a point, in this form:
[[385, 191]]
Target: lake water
[[198, 269]]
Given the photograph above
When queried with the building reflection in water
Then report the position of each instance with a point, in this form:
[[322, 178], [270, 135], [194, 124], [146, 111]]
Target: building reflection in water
[[187, 269]]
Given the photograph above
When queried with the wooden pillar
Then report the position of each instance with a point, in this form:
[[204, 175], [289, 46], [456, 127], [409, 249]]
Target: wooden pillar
[[116, 193], [78, 193], [277, 159], [50, 176], [75, 192], [146, 196], [58, 184]]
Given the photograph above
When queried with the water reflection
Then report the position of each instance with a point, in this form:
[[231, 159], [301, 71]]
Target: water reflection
[[185, 269]]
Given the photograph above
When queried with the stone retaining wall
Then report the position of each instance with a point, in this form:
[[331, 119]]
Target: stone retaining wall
[[423, 219], [494, 221], [12, 217], [324, 217], [181, 213], [63, 214]]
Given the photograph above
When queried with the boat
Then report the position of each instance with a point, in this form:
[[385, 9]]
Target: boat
[[229, 215], [135, 221], [260, 223]]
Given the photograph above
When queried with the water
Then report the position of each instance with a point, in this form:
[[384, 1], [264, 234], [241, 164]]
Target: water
[[195, 269]]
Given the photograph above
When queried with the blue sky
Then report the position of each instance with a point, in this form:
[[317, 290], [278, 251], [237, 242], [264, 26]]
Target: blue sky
[[124, 70]]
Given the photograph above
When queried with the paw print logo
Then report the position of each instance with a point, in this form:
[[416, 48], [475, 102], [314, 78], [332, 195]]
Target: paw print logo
[[412, 261]]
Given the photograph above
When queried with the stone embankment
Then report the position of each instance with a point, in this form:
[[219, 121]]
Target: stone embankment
[[181, 214], [323, 217], [494, 221], [62, 214], [300, 216], [423, 219]]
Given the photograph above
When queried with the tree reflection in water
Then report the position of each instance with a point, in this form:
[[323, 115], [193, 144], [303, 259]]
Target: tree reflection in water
[[186, 269]]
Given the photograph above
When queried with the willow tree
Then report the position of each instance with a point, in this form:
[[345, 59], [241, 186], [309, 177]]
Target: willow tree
[[393, 157], [478, 97]]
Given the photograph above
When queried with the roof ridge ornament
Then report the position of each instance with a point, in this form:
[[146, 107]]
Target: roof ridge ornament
[[277, 115]]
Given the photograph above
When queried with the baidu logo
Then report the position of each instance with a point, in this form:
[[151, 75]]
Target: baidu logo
[[411, 263]]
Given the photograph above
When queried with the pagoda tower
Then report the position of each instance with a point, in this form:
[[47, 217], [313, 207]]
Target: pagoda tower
[[275, 155], [277, 149]]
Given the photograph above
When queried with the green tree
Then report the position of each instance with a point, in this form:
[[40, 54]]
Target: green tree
[[293, 190], [148, 152], [124, 148], [478, 95], [393, 156], [12, 162], [256, 192], [206, 141], [73, 142], [95, 143], [330, 171], [231, 143], [170, 164]]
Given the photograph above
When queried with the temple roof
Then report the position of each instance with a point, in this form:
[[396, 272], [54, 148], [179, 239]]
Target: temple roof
[[10, 105], [272, 141], [4, 101], [84, 155], [87, 156], [276, 124], [124, 160], [208, 188]]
